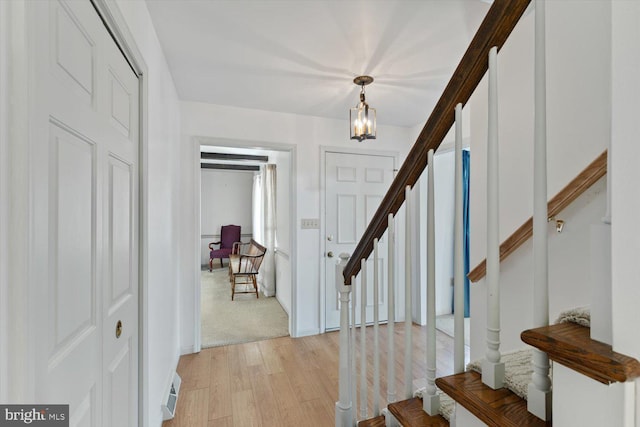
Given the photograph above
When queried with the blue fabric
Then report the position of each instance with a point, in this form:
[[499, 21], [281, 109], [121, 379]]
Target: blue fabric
[[466, 160]]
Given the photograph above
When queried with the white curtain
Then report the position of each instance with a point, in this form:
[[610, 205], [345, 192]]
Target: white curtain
[[268, 269], [257, 223], [264, 225]]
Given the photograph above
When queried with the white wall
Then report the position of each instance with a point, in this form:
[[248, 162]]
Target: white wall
[[578, 100], [284, 186], [625, 199], [573, 393], [444, 164], [4, 196], [162, 219], [569, 274], [578, 103], [226, 198], [444, 209], [307, 134]]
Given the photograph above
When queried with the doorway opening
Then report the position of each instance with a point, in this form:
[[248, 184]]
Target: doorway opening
[[233, 190], [444, 164]]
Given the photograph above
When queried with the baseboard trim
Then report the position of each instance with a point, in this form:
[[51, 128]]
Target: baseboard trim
[[307, 332], [189, 349]]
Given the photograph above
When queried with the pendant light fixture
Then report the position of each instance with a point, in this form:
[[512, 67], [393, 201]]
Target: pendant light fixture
[[362, 118]]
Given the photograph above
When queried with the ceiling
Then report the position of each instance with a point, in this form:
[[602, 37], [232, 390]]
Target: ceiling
[[300, 56]]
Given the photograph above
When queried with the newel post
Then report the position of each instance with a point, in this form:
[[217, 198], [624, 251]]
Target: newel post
[[344, 407]]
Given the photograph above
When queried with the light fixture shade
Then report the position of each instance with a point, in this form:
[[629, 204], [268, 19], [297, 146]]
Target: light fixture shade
[[362, 118], [363, 122]]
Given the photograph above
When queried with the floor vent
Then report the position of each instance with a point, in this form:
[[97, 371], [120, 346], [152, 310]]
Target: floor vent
[[169, 409]]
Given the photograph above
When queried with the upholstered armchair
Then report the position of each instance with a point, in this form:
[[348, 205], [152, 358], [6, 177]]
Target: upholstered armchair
[[229, 234]]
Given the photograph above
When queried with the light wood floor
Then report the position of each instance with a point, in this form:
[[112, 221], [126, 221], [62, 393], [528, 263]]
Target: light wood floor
[[284, 381]]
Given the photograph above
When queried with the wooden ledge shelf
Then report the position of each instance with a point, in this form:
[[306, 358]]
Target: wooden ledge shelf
[[571, 345], [409, 413], [496, 408], [373, 422]]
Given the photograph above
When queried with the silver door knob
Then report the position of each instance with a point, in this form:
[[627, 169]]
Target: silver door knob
[[330, 254]]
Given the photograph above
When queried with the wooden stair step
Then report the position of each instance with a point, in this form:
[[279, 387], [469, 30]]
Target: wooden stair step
[[571, 345], [373, 422], [496, 408], [409, 413]]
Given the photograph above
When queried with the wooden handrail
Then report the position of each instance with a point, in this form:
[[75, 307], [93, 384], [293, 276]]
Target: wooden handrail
[[501, 19], [585, 179]]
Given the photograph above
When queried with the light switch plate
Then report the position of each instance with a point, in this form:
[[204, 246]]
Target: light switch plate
[[310, 223]]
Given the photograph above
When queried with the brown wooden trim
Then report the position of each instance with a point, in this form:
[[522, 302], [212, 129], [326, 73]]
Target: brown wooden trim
[[500, 20], [496, 408], [585, 179], [229, 166], [409, 413], [378, 421], [233, 157], [571, 345]]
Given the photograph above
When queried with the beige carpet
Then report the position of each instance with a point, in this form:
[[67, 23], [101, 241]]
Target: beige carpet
[[245, 319]]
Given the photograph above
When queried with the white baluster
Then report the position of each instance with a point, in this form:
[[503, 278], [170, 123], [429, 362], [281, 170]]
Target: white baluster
[[376, 332], [430, 400], [344, 405], [363, 339], [408, 340], [492, 368], [391, 348], [539, 392], [458, 260], [354, 391]]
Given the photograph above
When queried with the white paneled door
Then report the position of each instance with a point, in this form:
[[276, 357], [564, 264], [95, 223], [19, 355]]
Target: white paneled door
[[354, 187], [85, 217]]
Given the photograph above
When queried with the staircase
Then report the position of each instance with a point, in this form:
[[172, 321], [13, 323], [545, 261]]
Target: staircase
[[480, 398]]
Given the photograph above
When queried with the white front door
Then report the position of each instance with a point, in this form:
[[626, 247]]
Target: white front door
[[85, 181], [354, 187]]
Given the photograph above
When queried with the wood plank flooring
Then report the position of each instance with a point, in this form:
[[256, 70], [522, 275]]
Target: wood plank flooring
[[285, 381]]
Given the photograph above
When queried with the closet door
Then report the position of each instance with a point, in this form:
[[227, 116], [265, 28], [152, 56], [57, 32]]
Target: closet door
[[85, 211]]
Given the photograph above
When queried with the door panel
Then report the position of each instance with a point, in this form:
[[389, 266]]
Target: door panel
[[88, 95], [120, 238], [354, 186], [73, 50]]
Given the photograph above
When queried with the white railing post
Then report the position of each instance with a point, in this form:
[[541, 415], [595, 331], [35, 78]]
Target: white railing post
[[492, 368], [354, 389], [430, 399], [363, 339], [539, 392], [408, 339], [376, 331], [344, 415], [391, 278], [458, 260]]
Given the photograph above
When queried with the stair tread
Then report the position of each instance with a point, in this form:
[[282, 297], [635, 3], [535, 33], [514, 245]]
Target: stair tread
[[498, 408], [571, 345], [409, 413], [373, 422]]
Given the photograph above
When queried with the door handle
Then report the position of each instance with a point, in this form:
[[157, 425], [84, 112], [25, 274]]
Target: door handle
[[118, 329], [330, 254]]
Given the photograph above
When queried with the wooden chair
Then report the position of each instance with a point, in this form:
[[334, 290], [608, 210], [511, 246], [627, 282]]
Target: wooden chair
[[229, 234], [244, 265]]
